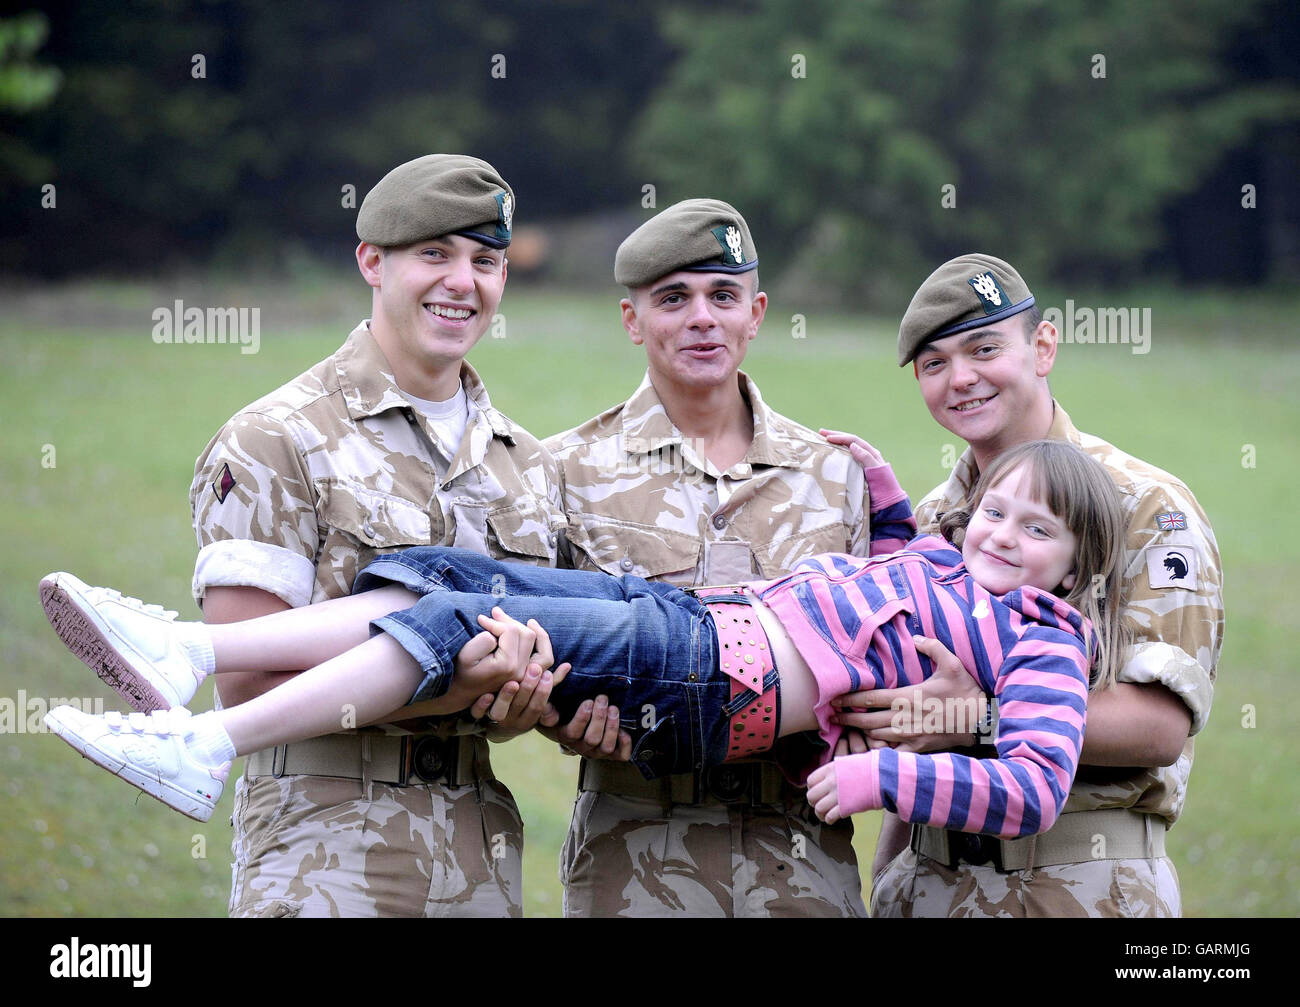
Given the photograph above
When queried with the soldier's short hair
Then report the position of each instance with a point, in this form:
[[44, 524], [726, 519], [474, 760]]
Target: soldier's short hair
[[1032, 316]]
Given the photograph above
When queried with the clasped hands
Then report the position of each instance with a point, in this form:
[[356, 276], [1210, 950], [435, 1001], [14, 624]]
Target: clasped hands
[[515, 659], [508, 668]]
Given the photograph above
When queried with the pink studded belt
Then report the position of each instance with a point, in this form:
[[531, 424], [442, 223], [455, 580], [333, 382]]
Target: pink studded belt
[[745, 657]]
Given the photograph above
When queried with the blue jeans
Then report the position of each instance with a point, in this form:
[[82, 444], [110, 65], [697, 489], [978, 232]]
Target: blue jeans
[[650, 648]]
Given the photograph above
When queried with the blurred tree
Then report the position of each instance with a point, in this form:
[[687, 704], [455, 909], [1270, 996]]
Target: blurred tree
[[1263, 242], [1063, 130], [227, 130], [24, 87]]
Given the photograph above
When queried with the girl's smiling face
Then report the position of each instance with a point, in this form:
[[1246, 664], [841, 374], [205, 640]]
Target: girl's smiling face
[[1013, 539]]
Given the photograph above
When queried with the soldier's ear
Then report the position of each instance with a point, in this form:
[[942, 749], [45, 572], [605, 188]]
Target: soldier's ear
[[630, 321], [1043, 344], [370, 261], [758, 309]]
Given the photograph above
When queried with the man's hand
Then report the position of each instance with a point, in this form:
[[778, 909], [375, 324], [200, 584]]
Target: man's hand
[[500, 658], [951, 687], [851, 741], [594, 733], [523, 703], [863, 453], [519, 706]]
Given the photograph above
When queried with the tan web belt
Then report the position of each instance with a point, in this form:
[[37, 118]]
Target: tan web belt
[[1078, 837], [406, 760], [733, 783]]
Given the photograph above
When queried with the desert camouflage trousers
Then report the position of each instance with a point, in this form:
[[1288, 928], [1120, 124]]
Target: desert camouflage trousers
[[916, 886], [323, 846], [634, 857]]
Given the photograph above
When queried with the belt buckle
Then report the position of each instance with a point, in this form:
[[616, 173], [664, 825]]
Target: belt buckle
[[433, 759], [731, 784], [719, 590], [975, 848]]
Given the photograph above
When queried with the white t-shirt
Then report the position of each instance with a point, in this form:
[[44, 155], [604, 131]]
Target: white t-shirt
[[447, 421]]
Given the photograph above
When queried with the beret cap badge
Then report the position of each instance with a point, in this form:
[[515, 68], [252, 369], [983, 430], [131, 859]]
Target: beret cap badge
[[968, 292], [695, 235]]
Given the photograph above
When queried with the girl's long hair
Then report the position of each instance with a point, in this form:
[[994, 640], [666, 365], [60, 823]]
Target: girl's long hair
[[1078, 491]]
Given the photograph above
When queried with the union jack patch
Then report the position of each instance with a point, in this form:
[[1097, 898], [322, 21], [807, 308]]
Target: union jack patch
[[1174, 520]]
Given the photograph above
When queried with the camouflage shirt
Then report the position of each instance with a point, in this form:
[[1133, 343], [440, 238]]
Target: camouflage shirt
[[1177, 627], [642, 499], [301, 489]]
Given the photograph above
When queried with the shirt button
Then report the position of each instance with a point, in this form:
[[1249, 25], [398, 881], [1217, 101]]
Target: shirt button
[[553, 538], [369, 529], [719, 522], [626, 563]]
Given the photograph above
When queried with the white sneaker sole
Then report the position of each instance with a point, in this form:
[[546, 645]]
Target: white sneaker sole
[[93, 641], [177, 798]]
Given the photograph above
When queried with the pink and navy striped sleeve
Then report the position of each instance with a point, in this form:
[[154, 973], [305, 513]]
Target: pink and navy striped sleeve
[[892, 523], [1042, 688]]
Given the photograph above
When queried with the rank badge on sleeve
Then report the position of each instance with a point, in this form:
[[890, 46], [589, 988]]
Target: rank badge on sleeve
[[223, 484]]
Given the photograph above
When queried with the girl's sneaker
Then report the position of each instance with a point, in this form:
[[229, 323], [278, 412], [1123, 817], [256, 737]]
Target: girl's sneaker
[[134, 647], [149, 752]]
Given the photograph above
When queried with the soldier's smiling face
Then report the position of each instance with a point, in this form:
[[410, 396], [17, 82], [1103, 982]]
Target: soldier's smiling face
[[982, 385], [695, 327], [435, 298]]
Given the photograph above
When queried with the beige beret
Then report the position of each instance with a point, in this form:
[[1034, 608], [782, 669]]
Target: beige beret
[[434, 195], [699, 235], [967, 292]]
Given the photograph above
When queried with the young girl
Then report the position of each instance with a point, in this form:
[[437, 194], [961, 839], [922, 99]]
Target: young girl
[[702, 677]]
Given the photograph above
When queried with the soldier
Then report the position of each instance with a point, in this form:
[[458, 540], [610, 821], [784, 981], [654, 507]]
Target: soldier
[[391, 441], [695, 481], [982, 354]]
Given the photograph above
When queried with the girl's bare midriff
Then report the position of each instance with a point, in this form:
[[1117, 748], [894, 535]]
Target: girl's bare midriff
[[798, 686]]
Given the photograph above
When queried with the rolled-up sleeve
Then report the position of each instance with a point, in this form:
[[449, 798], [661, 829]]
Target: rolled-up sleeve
[[254, 510]]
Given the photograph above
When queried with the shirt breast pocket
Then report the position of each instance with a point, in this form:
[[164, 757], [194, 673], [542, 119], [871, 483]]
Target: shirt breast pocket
[[526, 532], [779, 555], [365, 523], [621, 547]]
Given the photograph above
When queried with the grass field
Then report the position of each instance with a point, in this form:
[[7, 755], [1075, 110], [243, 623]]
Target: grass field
[[103, 426]]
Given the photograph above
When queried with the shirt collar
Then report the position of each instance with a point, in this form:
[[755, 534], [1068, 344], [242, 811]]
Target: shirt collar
[[365, 376], [369, 388], [646, 426], [645, 423], [477, 394]]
